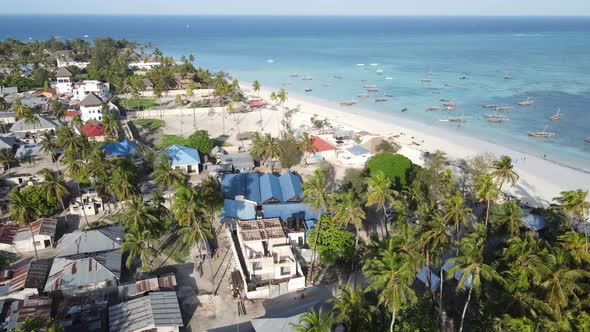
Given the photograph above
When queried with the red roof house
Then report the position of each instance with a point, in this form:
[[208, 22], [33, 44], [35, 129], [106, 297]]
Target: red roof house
[[92, 130], [256, 103], [320, 145]]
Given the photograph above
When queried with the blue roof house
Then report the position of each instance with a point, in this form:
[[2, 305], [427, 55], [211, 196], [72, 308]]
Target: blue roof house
[[270, 189], [534, 222], [125, 148], [242, 210], [264, 189], [434, 279], [183, 158], [290, 187], [246, 185]]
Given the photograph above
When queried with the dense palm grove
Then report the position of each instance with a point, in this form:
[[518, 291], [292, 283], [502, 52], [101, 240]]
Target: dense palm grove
[[498, 275]]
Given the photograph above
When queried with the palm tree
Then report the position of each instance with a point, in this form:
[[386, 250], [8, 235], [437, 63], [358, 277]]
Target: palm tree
[[576, 246], [139, 217], [19, 109], [487, 191], [523, 255], [472, 267], [256, 87], [282, 98], [575, 203], [30, 117], [306, 143], [265, 147], [7, 157], [503, 171], [562, 285], [158, 94], [121, 183], [165, 176], [353, 309], [349, 211], [110, 125], [436, 239], [49, 145], [455, 212], [316, 192], [57, 109], [211, 195], [380, 193], [23, 212], [391, 274], [55, 188], [77, 121], [315, 321], [190, 93], [179, 103], [138, 243], [3, 104], [511, 217]]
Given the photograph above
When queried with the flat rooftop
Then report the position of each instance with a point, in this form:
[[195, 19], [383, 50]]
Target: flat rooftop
[[262, 229]]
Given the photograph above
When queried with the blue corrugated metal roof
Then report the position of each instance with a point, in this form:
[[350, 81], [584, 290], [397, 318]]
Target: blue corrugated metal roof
[[121, 149], [270, 188], [534, 222], [238, 209], [289, 210], [290, 187], [243, 184], [434, 279], [183, 155], [358, 150], [458, 273]]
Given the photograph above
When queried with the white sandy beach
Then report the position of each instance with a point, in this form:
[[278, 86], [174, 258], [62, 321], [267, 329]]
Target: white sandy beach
[[540, 180]]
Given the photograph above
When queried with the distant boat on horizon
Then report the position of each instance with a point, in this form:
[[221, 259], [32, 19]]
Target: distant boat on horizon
[[270, 61], [389, 78], [556, 116], [360, 64], [527, 102], [542, 134]]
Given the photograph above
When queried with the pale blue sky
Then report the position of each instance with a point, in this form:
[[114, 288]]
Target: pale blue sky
[[301, 7]]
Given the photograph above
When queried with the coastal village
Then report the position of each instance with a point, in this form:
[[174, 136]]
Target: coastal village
[[143, 193]]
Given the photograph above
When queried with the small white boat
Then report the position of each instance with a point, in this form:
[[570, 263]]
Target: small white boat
[[388, 95], [307, 78], [489, 106], [369, 86], [527, 102], [270, 61], [374, 64], [455, 119], [431, 109], [380, 100], [587, 140], [347, 103], [294, 75], [338, 77], [372, 89], [360, 64], [556, 116], [426, 80], [449, 104], [389, 78], [363, 95], [379, 72], [450, 108], [503, 109], [85, 36], [542, 134], [326, 84]]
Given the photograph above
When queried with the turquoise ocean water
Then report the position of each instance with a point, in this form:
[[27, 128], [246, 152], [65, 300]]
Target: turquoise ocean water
[[546, 58]]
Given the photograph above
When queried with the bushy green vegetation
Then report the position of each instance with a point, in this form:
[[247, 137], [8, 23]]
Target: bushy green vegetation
[[396, 168], [137, 104], [39, 201], [199, 140], [334, 243]]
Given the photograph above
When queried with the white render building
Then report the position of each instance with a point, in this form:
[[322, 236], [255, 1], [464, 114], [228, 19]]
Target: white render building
[[84, 88], [64, 81]]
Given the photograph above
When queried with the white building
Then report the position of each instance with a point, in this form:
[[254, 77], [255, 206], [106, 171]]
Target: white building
[[62, 63], [88, 203], [91, 107], [143, 65], [64, 83], [84, 88], [20, 240]]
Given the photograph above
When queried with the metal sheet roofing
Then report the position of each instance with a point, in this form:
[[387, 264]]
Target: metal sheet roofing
[[183, 155], [91, 241], [156, 310], [357, 150], [434, 278], [7, 142], [262, 189], [124, 148], [45, 123], [534, 222], [290, 187], [241, 160], [147, 285], [26, 273], [270, 188], [243, 210], [75, 273], [243, 184], [289, 210], [321, 145]]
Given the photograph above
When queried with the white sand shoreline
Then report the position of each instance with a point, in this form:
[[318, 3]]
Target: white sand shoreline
[[540, 180]]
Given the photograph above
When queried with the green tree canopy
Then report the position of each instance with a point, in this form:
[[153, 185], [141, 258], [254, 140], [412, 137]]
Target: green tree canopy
[[334, 242], [396, 168]]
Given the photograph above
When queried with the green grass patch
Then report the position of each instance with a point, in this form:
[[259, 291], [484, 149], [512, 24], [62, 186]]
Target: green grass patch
[[168, 140], [142, 103], [151, 124]]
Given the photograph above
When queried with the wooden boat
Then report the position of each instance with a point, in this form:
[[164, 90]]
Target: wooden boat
[[459, 119], [503, 109], [489, 106], [307, 78], [389, 78], [445, 101], [449, 104], [338, 77], [527, 102], [431, 109], [363, 95], [347, 103], [380, 100], [542, 134], [497, 120], [326, 84], [450, 108], [369, 86], [587, 140], [426, 80], [388, 95], [464, 77], [372, 89], [308, 90], [294, 75], [556, 116], [493, 116]]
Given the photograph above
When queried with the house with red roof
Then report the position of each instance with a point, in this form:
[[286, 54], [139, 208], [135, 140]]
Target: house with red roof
[[323, 148], [256, 103], [93, 132]]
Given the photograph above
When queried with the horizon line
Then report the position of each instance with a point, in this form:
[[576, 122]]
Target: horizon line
[[301, 15]]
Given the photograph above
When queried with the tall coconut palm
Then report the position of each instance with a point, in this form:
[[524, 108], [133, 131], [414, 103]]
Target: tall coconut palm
[[282, 98], [139, 244], [165, 176], [511, 217], [58, 109], [315, 321], [23, 212], [7, 157], [265, 147], [503, 171], [316, 192], [179, 103], [49, 145], [306, 143], [487, 191], [110, 125], [138, 216], [19, 109], [30, 117], [55, 188], [391, 275], [576, 246], [524, 255], [122, 184], [3, 104], [158, 90], [69, 142], [211, 195], [380, 193], [190, 93], [470, 263], [575, 203], [349, 211], [436, 239], [563, 285], [353, 308], [256, 88], [455, 212]]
